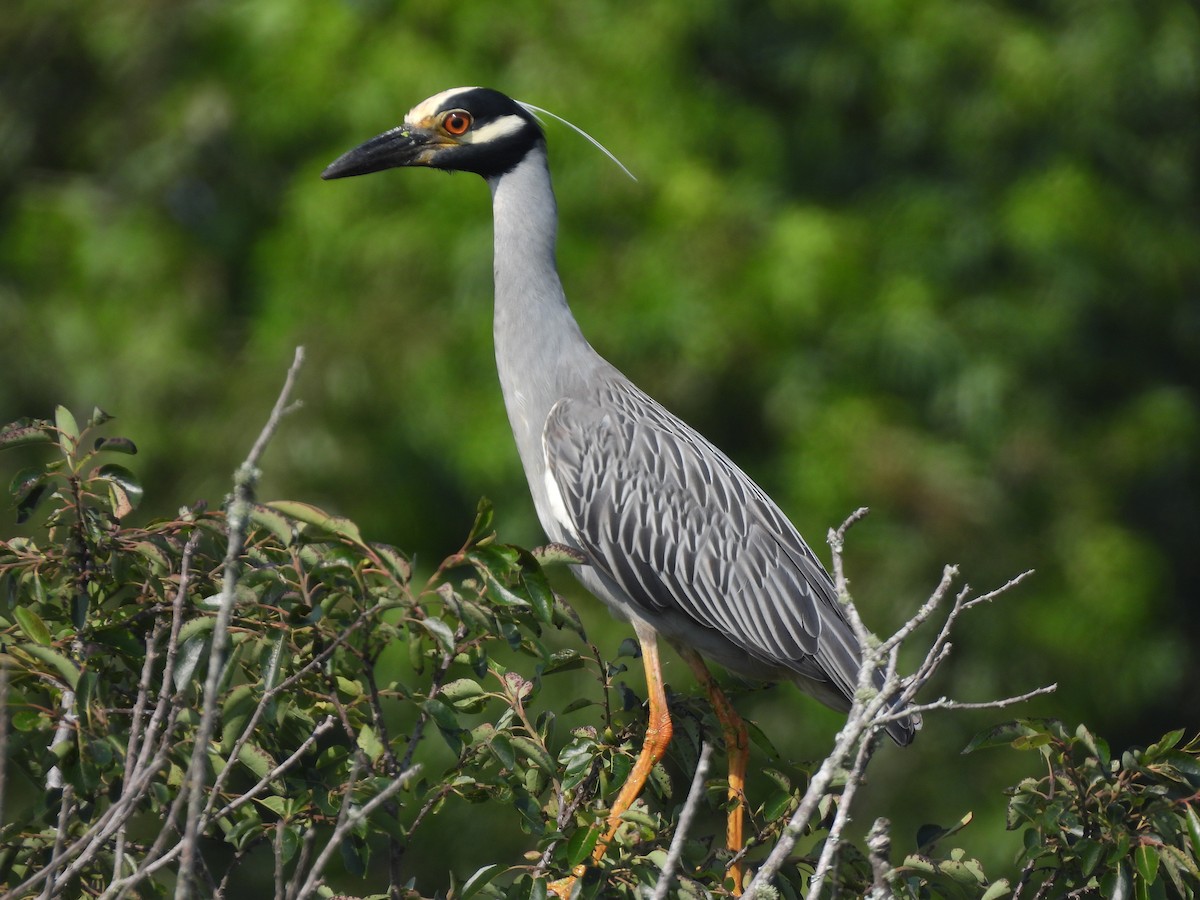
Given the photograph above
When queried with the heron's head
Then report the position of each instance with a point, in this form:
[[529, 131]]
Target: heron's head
[[468, 129]]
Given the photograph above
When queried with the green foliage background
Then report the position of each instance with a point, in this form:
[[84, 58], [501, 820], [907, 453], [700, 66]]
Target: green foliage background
[[937, 258]]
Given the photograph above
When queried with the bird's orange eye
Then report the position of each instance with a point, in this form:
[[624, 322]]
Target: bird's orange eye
[[457, 122]]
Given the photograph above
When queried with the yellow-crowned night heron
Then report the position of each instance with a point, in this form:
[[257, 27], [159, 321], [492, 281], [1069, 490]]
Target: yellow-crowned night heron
[[678, 540]]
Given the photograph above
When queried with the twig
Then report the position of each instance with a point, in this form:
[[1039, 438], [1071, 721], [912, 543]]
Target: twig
[[60, 839], [875, 706], [135, 728], [270, 777], [67, 721], [667, 874], [248, 731], [879, 849], [280, 884], [164, 708], [237, 516], [825, 863], [3, 729], [947, 703], [85, 847], [348, 820]]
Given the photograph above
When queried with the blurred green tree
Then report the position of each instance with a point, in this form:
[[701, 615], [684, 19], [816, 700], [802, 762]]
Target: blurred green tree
[[940, 258]]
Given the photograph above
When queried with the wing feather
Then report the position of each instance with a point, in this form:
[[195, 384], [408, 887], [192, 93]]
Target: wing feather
[[682, 530]]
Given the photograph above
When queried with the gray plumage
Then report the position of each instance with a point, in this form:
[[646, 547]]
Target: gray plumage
[[675, 534]]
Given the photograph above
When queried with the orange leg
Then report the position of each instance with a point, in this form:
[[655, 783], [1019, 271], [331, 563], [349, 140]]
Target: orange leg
[[737, 749], [658, 736]]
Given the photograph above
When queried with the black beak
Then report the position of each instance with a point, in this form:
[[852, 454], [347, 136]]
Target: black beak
[[405, 145]]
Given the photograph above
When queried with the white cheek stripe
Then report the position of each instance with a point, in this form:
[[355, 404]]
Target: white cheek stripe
[[492, 131]]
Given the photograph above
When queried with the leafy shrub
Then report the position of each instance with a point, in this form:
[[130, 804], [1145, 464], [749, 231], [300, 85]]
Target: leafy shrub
[[336, 685]]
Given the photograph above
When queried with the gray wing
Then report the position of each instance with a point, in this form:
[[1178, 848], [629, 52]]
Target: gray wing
[[687, 535]]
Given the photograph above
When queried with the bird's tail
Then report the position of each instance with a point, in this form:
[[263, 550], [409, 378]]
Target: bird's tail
[[902, 731]]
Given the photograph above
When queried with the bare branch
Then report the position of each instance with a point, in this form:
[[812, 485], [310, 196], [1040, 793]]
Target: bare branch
[[348, 819], [237, 516], [879, 848], [873, 708], [3, 730], [272, 776], [60, 839], [947, 703], [667, 874], [825, 863]]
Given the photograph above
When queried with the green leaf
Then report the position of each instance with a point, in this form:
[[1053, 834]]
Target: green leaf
[[1089, 852], [126, 489], [1117, 885], [27, 488], [464, 694], [777, 806], [26, 480], [1193, 827], [190, 653], [638, 817], [277, 805], [85, 696], [535, 585], [440, 632], [1165, 743], [355, 855], [630, 648], [557, 555], [999, 736], [160, 563], [502, 749], [442, 714], [98, 418], [496, 589], [784, 783], [68, 431], [1181, 859], [116, 445], [33, 626], [67, 669], [28, 719], [1173, 871], [1145, 860], [257, 760], [997, 889], [397, 564], [275, 522], [535, 753], [480, 879], [289, 843], [581, 845], [25, 431], [920, 864], [369, 743], [235, 712], [564, 661], [311, 515], [759, 738], [1096, 746], [193, 627], [481, 529]]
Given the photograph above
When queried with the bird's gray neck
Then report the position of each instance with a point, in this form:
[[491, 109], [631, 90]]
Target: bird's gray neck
[[540, 351]]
